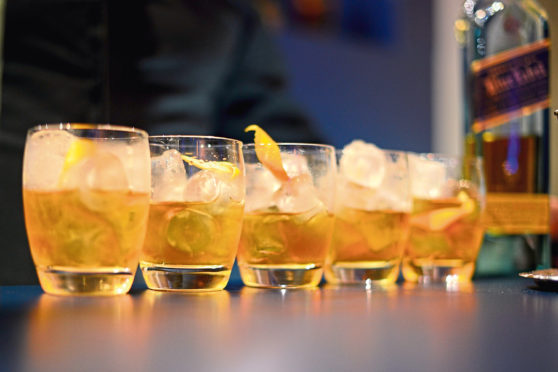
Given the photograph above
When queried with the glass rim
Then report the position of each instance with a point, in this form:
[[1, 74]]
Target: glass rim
[[78, 126], [386, 151], [295, 144], [442, 156], [193, 136]]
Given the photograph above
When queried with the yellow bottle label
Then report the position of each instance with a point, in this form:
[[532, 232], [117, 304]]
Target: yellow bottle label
[[513, 213]]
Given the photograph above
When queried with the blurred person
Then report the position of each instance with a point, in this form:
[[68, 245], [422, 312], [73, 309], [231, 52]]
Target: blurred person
[[166, 66]]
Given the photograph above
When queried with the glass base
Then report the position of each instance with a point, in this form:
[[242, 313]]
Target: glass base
[[363, 272], [281, 276], [185, 278], [96, 282], [438, 271]]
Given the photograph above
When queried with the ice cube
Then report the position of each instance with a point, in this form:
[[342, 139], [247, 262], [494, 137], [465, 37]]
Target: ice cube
[[45, 152], [168, 176], [207, 186], [353, 195], [428, 177], [260, 187], [392, 194], [294, 164], [99, 171], [204, 187], [134, 155], [363, 163], [391, 199], [297, 195], [231, 188]]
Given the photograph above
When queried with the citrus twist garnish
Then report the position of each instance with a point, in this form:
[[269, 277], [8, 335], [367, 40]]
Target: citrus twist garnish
[[80, 149], [440, 219], [268, 152], [219, 166]]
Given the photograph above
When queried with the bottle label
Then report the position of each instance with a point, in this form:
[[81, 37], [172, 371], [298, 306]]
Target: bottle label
[[513, 213], [510, 84]]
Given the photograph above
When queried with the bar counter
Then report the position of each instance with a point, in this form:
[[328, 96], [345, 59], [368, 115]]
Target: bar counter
[[490, 325]]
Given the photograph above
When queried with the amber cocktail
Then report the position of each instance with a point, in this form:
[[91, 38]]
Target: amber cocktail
[[197, 205], [85, 194], [371, 216], [285, 243], [288, 223], [446, 221]]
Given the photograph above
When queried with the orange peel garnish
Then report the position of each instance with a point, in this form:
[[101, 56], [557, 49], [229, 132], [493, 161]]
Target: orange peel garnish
[[268, 152], [443, 218], [440, 219], [219, 166]]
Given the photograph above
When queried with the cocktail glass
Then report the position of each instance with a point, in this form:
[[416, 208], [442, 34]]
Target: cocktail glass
[[288, 223], [86, 201], [195, 218], [446, 227], [371, 216]]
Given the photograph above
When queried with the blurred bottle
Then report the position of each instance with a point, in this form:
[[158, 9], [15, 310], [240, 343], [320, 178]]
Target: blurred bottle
[[505, 54]]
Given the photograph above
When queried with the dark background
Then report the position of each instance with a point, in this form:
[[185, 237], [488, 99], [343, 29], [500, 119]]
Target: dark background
[[358, 68], [361, 68]]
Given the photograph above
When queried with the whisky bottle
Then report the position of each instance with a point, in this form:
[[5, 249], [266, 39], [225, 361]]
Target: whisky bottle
[[505, 54]]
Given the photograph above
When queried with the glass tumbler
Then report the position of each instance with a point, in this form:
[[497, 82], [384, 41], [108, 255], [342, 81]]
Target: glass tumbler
[[86, 201], [288, 224], [446, 225], [195, 217], [373, 205]]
